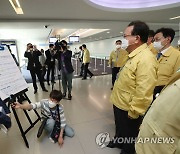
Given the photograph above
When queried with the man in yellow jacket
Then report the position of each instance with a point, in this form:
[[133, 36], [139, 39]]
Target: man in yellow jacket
[[117, 60], [133, 90], [86, 61], [168, 57], [150, 42], [160, 130]]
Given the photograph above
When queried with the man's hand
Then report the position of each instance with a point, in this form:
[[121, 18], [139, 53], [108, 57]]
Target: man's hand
[[16, 105], [60, 141]]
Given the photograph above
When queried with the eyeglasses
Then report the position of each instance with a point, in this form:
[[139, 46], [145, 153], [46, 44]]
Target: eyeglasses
[[157, 39]]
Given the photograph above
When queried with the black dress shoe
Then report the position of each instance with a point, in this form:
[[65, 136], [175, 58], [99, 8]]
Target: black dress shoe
[[35, 91], [63, 95], [111, 144], [91, 75], [123, 152], [69, 97], [114, 145], [45, 90]]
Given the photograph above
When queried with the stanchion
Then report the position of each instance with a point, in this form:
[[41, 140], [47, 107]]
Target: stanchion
[[109, 64], [101, 61], [104, 66], [76, 70], [95, 64]]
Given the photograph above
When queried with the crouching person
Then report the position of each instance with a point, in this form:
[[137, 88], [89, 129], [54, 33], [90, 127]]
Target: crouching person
[[5, 120], [53, 112]]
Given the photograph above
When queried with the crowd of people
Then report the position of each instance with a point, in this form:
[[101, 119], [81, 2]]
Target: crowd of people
[[145, 88]]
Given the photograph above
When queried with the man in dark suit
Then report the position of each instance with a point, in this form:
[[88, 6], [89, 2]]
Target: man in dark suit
[[50, 62], [34, 66]]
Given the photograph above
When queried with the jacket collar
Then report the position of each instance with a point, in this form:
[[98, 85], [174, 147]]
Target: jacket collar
[[168, 52], [137, 50]]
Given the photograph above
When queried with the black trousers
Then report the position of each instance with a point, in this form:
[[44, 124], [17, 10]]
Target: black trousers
[[115, 71], [157, 89], [86, 70], [43, 71], [126, 128], [4, 119], [37, 72], [82, 69], [51, 68]]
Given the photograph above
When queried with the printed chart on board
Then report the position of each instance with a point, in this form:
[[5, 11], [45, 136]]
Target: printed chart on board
[[11, 79]]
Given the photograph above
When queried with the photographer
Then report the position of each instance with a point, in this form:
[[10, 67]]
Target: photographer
[[5, 120], [66, 68], [34, 66], [50, 62], [54, 112]]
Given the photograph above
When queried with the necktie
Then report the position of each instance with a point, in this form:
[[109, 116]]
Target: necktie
[[159, 55]]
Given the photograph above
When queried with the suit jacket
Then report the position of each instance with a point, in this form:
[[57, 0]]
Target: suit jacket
[[33, 60], [50, 59], [67, 61]]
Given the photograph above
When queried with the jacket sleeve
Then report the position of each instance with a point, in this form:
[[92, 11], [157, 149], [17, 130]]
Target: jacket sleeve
[[110, 59], [146, 77], [38, 53], [26, 54], [178, 148], [177, 65]]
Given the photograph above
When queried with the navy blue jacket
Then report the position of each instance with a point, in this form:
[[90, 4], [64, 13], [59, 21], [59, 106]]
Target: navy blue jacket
[[67, 60]]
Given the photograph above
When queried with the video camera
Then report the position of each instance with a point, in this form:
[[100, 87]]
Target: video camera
[[60, 44]]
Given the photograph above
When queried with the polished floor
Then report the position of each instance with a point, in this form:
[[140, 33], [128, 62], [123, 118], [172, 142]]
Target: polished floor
[[89, 113]]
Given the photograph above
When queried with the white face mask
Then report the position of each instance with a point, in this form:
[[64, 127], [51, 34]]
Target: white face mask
[[158, 45], [52, 104], [125, 44], [118, 46]]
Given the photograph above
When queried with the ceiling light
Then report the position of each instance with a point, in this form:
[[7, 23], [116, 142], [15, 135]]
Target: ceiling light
[[174, 18], [108, 32], [16, 6], [135, 4], [121, 32]]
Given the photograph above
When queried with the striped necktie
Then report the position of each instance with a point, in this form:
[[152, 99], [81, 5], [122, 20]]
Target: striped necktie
[[159, 55]]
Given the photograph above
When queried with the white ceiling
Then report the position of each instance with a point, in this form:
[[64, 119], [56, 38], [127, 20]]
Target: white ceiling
[[71, 15]]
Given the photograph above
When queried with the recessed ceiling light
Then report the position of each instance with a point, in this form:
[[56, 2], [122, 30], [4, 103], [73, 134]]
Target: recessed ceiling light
[[174, 17], [16, 6], [108, 32], [121, 32]]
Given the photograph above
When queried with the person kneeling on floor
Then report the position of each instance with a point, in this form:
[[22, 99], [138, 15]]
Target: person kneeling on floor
[[53, 115], [5, 120]]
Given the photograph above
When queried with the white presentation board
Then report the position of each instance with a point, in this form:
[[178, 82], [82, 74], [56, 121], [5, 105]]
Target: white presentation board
[[11, 79]]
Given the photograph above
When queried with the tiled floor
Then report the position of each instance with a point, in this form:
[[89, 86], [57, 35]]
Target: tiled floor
[[89, 113]]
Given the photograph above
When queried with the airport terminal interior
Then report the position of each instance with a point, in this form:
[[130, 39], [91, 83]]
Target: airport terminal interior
[[91, 109]]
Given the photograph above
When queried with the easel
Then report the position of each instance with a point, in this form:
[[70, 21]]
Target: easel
[[23, 133]]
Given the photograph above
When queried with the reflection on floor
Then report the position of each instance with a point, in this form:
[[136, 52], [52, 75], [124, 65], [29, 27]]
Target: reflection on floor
[[89, 113]]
